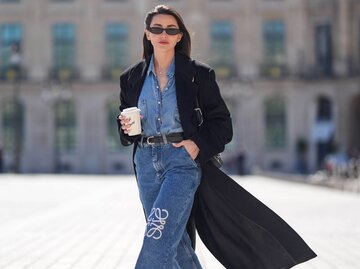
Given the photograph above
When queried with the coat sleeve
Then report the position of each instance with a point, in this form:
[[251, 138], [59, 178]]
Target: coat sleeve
[[125, 139], [216, 130]]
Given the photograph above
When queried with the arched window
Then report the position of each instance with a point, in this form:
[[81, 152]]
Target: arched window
[[112, 139], [65, 126], [275, 123], [13, 124], [324, 109]]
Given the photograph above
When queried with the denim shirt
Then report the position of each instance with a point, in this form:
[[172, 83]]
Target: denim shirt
[[159, 108]]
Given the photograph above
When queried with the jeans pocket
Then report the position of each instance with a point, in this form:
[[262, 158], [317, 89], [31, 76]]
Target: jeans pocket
[[188, 156]]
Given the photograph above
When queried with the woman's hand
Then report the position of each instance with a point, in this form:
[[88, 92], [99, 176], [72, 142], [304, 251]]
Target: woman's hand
[[189, 146], [125, 124]]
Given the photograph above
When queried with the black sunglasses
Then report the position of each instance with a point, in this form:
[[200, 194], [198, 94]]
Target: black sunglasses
[[158, 30]]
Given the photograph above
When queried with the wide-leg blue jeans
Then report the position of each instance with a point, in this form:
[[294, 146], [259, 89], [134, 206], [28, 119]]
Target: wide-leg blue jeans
[[167, 179]]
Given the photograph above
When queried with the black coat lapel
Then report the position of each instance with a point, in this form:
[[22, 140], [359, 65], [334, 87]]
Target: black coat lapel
[[136, 81], [184, 79], [186, 90]]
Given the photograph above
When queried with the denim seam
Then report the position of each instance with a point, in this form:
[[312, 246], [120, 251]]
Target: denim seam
[[188, 252]]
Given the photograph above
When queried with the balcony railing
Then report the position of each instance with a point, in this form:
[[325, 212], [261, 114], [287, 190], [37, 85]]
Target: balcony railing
[[314, 72], [274, 71], [12, 73], [112, 73], [64, 73], [224, 71]]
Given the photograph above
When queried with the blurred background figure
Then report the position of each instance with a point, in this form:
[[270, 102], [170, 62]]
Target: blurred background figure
[[289, 72], [241, 163]]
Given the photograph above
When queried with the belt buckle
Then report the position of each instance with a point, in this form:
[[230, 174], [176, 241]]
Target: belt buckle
[[148, 142]]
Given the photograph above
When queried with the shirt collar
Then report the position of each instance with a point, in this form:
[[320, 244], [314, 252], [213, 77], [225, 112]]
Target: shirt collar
[[170, 71]]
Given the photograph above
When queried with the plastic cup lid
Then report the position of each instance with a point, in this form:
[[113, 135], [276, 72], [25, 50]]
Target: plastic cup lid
[[130, 109]]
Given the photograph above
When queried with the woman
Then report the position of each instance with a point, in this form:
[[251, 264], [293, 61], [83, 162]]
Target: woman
[[171, 158], [170, 148]]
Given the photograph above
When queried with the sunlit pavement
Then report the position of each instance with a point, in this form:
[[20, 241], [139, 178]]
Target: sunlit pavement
[[86, 221]]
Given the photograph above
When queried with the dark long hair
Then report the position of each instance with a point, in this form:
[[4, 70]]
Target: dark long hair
[[183, 46]]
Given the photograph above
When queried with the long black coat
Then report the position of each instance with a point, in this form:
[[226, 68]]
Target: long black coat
[[239, 230]]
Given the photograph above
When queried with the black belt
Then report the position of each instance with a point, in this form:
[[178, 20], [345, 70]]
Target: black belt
[[162, 139]]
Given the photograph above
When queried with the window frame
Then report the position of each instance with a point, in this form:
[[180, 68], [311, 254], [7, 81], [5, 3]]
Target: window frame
[[117, 44], [275, 116], [274, 41], [13, 118], [222, 47], [65, 126]]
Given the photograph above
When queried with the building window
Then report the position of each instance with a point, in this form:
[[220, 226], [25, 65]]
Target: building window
[[64, 50], [10, 40], [117, 49], [113, 140], [324, 129], [275, 123], [274, 49], [65, 124], [323, 49], [324, 112], [274, 42], [13, 124], [222, 48]]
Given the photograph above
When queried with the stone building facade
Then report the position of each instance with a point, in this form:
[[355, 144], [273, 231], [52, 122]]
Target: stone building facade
[[288, 69]]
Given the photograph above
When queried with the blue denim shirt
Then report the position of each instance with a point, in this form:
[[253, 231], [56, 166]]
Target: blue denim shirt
[[159, 108]]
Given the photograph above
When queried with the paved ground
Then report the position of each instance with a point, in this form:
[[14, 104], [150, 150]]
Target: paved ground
[[88, 222]]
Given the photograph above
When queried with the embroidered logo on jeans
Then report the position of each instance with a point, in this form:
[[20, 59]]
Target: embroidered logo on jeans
[[156, 222]]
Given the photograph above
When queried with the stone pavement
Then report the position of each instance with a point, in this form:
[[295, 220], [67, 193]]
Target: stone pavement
[[96, 222]]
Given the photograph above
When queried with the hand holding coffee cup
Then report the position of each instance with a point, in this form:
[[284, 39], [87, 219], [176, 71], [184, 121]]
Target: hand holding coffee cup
[[131, 121], [125, 126]]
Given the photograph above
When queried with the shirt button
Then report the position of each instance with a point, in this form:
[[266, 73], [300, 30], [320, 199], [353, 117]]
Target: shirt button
[[159, 102], [158, 119]]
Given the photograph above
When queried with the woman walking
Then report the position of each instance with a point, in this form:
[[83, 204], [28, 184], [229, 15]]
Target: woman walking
[[171, 159]]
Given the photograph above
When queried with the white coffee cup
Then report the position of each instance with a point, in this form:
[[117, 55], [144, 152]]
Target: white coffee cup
[[133, 113]]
